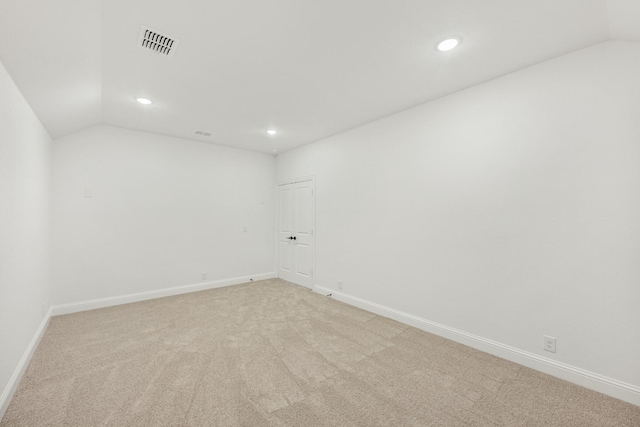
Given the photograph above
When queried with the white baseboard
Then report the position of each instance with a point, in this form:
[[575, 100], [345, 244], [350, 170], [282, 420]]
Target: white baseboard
[[609, 386], [160, 293], [12, 385]]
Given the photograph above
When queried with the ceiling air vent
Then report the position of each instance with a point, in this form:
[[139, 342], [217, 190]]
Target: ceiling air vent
[[203, 133], [157, 42]]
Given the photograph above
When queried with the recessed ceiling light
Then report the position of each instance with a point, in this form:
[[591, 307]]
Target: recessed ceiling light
[[272, 131], [144, 101], [448, 44]]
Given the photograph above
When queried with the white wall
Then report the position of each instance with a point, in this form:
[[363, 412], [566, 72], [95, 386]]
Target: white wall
[[508, 211], [163, 211], [24, 229], [624, 16]]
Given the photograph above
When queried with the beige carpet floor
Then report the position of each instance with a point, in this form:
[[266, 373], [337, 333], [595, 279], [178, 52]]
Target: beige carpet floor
[[274, 354]]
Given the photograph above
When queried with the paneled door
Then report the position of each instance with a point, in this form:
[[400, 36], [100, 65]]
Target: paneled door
[[296, 219]]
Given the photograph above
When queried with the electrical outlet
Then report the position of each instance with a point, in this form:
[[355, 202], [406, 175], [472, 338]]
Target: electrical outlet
[[549, 344], [339, 284], [204, 276]]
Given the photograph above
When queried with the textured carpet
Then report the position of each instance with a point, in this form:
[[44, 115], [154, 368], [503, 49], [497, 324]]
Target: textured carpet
[[274, 354]]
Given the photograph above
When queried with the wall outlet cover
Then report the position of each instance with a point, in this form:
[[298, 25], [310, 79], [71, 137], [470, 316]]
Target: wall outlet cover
[[549, 344]]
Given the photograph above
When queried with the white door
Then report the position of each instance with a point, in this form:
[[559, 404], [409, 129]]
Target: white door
[[295, 232]]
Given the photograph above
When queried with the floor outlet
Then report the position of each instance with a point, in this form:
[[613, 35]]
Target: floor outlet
[[549, 344]]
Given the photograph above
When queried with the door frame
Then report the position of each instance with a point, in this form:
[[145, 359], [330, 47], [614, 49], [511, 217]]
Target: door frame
[[312, 179]]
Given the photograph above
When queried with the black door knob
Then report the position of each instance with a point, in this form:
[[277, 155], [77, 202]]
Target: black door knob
[[294, 238]]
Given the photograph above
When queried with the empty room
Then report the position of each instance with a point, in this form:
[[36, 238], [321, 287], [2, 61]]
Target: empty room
[[320, 213]]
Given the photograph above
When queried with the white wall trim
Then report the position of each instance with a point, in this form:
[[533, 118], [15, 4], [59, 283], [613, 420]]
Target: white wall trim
[[296, 180], [609, 386], [159, 293], [12, 385]]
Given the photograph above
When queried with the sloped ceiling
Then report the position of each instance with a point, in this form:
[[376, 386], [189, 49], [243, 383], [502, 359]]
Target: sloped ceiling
[[53, 51], [307, 68]]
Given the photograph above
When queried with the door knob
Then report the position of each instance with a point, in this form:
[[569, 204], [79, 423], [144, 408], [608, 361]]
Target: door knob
[[290, 238], [294, 237]]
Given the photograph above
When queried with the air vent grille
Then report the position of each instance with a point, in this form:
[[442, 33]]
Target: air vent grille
[[157, 42], [203, 133]]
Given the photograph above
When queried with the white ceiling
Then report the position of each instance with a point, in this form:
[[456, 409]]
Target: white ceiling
[[309, 68]]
